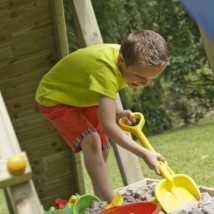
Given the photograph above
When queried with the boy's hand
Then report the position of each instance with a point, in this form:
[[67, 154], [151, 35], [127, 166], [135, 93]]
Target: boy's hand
[[152, 158], [128, 117]]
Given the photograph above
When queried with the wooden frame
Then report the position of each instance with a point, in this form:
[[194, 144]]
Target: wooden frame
[[23, 197], [63, 50]]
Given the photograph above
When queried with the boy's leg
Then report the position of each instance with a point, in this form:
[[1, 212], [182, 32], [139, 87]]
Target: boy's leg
[[106, 160], [69, 121], [97, 167]]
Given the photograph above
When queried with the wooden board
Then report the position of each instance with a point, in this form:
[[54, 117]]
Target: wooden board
[[32, 39]]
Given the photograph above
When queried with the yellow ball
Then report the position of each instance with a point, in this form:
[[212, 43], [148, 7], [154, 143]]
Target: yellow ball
[[16, 164]]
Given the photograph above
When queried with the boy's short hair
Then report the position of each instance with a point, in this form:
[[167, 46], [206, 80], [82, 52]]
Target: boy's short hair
[[146, 47]]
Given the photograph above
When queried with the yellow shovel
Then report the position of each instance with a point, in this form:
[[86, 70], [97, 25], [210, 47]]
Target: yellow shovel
[[175, 191]]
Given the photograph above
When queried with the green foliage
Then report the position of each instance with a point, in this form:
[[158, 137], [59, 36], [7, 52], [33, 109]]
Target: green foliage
[[73, 38], [185, 91]]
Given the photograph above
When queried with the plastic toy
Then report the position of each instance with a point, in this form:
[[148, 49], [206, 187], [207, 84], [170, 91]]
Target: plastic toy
[[175, 190], [84, 202], [117, 201], [135, 208], [75, 205], [68, 209], [60, 204]]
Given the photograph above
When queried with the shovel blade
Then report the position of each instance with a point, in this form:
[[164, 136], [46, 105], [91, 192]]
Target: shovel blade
[[179, 195]]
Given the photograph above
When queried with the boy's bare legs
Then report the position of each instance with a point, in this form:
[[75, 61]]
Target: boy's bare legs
[[105, 157], [97, 167]]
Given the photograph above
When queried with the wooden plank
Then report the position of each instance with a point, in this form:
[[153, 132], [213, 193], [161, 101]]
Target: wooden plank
[[9, 145], [24, 65], [27, 23], [31, 46], [210, 190], [55, 186], [209, 47], [6, 52], [60, 28], [9, 38], [59, 162], [62, 50], [128, 163], [22, 12], [86, 22]]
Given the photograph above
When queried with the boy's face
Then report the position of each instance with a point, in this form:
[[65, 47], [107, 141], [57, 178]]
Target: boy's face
[[141, 74]]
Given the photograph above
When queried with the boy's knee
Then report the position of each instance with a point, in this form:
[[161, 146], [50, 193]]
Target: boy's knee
[[91, 142]]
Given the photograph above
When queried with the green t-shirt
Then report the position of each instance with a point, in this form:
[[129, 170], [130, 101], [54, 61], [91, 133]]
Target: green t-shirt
[[80, 77]]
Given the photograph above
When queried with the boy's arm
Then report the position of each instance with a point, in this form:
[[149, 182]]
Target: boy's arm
[[107, 109]]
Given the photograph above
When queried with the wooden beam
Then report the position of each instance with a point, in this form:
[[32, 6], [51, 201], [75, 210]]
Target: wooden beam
[[63, 50], [86, 22], [23, 197], [209, 47], [128, 163], [60, 27]]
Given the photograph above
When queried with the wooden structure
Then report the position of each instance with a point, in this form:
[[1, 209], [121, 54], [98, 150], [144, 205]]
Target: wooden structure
[[32, 39], [29, 47], [22, 195]]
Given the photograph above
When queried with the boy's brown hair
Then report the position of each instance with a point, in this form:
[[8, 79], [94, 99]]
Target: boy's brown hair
[[146, 47]]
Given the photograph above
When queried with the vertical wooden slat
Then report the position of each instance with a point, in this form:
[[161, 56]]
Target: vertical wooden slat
[[86, 22], [60, 27], [63, 50], [128, 163]]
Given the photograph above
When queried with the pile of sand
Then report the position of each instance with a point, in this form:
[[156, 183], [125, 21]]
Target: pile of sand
[[144, 192]]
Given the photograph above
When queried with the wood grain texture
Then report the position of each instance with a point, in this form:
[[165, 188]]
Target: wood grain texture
[[29, 47]]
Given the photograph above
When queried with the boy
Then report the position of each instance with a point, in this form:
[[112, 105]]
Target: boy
[[78, 96]]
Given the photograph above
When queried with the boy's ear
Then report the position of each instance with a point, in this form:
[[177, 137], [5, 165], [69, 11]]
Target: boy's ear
[[121, 59]]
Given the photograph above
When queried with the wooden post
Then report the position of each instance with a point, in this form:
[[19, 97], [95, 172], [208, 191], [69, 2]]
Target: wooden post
[[63, 50], [23, 197], [209, 47], [86, 22], [60, 27], [88, 28]]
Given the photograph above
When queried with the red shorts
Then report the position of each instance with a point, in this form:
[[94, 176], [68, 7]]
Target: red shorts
[[75, 123]]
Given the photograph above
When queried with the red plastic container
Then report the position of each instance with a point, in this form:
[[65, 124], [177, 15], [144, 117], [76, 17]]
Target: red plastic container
[[135, 208]]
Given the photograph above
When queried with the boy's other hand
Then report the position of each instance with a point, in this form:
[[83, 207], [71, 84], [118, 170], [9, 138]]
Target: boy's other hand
[[152, 159], [128, 117]]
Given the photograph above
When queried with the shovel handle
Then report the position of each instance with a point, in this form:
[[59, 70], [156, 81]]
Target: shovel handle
[[136, 129]]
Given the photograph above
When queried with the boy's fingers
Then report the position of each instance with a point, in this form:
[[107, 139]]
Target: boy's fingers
[[161, 158], [157, 171]]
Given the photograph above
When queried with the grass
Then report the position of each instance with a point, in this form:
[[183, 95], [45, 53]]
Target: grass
[[187, 150], [3, 207]]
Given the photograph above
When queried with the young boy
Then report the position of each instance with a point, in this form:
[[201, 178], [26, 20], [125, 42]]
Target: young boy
[[78, 96]]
